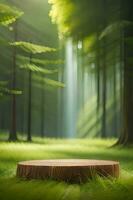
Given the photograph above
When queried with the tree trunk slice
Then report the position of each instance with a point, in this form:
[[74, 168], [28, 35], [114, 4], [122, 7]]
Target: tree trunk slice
[[73, 171]]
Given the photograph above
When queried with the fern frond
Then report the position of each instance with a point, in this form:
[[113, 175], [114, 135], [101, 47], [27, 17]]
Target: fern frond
[[6, 91], [8, 14], [32, 48], [49, 81], [40, 61], [34, 68]]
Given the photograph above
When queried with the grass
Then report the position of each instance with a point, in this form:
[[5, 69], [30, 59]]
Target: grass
[[12, 188]]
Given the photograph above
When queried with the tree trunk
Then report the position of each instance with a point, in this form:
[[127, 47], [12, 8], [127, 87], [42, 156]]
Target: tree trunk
[[115, 98], [104, 83], [98, 77], [104, 73], [13, 132], [98, 72], [126, 136], [29, 137], [43, 109]]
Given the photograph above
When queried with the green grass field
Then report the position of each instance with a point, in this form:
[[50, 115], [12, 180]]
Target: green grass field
[[12, 188]]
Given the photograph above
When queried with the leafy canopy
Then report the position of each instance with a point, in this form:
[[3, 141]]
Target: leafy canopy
[[77, 18]]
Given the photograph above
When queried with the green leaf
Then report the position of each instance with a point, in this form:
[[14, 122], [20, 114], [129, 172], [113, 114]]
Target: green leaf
[[32, 48]]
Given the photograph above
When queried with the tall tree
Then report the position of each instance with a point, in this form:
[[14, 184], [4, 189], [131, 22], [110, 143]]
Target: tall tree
[[31, 67], [126, 136], [43, 109], [9, 15], [13, 133], [104, 74], [96, 17], [29, 137]]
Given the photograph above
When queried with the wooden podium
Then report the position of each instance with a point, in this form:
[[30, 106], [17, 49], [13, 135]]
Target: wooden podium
[[68, 170]]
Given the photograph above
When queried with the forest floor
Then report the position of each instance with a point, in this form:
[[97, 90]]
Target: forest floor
[[12, 188]]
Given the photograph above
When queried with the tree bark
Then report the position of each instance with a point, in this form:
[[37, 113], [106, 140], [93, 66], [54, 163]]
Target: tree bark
[[43, 109], [104, 93], [98, 72], [115, 98], [73, 171], [29, 137], [104, 81], [13, 131], [126, 136]]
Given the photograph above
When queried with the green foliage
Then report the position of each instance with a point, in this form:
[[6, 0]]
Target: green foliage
[[8, 14], [3, 42], [15, 92], [89, 44], [77, 18], [61, 14], [24, 59], [34, 68], [3, 83], [32, 48], [116, 26], [49, 82], [6, 91]]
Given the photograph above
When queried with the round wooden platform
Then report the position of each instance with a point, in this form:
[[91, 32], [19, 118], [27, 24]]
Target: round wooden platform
[[74, 171]]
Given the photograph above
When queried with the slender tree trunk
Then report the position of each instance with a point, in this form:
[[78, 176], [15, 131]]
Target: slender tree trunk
[[29, 137], [13, 132], [23, 104], [104, 98], [121, 76], [104, 73], [98, 83], [98, 73], [43, 110], [115, 98], [104, 89]]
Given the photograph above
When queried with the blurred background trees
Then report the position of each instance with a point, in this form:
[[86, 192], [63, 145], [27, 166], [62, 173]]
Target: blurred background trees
[[92, 63], [100, 30], [20, 29]]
